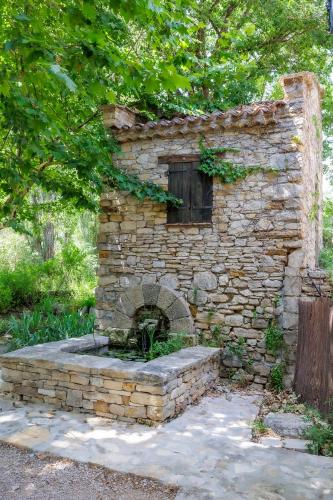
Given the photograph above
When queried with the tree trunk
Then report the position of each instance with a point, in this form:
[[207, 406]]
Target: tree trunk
[[48, 241]]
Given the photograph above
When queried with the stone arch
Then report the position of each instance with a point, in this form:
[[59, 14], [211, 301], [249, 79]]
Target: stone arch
[[174, 307]]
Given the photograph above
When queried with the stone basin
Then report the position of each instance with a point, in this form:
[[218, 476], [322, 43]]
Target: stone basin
[[132, 391]]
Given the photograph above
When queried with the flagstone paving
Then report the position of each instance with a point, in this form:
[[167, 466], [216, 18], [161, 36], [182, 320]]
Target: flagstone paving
[[207, 451]]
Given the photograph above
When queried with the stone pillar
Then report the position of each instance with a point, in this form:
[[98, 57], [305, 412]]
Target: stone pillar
[[116, 116], [303, 93]]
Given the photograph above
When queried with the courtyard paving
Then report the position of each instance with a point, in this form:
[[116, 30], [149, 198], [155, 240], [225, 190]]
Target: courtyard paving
[[207, 451]]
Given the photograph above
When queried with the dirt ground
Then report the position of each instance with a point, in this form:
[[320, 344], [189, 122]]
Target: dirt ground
[[24, 474]]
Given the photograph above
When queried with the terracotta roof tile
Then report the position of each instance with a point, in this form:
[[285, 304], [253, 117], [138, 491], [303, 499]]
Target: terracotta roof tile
[[251, 115]]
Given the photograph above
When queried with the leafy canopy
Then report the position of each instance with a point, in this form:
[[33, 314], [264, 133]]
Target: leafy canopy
[[61, 59]]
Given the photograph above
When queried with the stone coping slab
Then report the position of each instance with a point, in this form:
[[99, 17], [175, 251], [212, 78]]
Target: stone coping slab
[[63, 355], [131, 391]]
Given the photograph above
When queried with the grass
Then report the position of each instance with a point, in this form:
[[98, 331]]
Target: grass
[[258, 427], [159, 348], [42, 326]]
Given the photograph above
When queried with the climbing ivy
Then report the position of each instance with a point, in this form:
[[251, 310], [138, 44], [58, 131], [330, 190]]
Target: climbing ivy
[[130, 183], [228, 172]]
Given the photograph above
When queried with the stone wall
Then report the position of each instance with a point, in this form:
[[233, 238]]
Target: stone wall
[[129, 391], [315, 284], [245, 268]]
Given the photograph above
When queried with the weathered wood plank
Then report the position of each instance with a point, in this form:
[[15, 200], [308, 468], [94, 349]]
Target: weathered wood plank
[[178, 158], [314, 361]]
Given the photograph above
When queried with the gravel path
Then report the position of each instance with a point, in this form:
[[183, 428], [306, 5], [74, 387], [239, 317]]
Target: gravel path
[[39, 476]]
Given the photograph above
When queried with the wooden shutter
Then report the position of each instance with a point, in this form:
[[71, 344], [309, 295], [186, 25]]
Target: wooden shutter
[[201, 195], [195, 189], [179, 186]]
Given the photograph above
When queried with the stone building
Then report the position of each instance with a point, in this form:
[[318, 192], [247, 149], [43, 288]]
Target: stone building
[[238, 255]]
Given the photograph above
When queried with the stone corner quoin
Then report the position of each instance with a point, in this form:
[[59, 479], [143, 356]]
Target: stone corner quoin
[[252, 263]]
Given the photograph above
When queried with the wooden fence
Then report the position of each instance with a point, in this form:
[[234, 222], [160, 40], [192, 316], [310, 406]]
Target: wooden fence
[[314, 360]]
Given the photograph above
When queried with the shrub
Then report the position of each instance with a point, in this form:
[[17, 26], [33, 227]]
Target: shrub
[[6, 297], [4, 327], [88, 301], [39, 327], [274, 338], [20, 286], [169, 346], [277, 377], [237, 348], [70, 275], [320, 435]]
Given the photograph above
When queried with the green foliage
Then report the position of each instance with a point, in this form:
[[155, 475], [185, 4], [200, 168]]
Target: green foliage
[[39, 326], [89, 301], [60, 61], [320, 434], [276, 379], [315, 207], [68, 275], [274, 338], [321, 437], [19, 287], [297, 140], [216, 339], [237, 348], [4, 327], [326, 255], [326, 260], [195, 294], [173, 344], [216, 331], [214, 165], [328, 223], [210, 315], [6, 298], [258, 427], [277, 300]]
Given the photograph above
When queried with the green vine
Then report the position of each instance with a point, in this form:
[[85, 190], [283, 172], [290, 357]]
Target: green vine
[[130, 183], [228, 172]]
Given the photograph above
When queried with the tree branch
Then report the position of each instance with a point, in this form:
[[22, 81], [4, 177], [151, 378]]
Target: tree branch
[[5, 138], [75, 129]]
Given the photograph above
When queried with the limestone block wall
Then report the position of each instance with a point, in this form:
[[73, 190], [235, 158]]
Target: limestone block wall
[[128, 391], [244, 269]]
